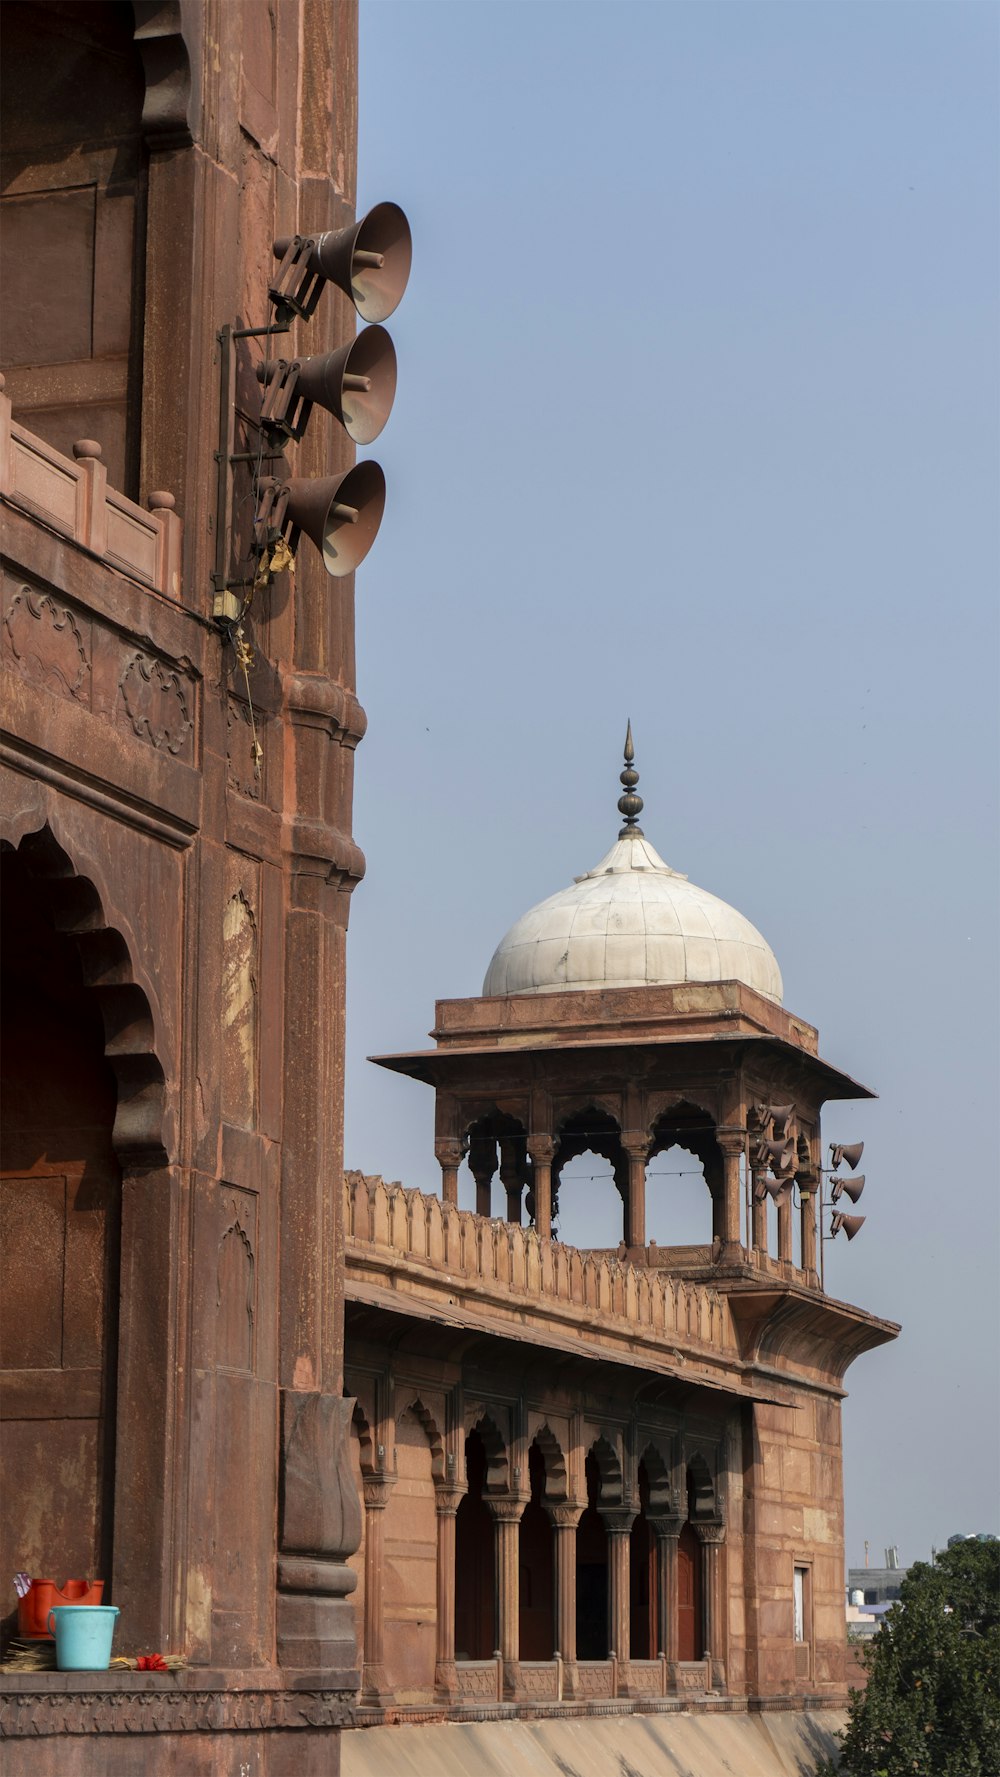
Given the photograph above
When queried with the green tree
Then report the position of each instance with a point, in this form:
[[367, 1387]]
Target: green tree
[[932, 1703]]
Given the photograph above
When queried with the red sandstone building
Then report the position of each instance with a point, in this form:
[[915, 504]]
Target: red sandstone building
[[561, 1481]]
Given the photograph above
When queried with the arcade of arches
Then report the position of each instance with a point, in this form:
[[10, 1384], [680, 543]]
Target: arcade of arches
[[530, 1551]]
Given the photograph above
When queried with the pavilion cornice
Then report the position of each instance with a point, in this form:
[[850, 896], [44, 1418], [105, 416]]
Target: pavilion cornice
[[638, 1055]]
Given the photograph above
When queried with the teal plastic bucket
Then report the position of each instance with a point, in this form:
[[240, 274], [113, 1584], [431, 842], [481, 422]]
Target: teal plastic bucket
[[84, 1633]]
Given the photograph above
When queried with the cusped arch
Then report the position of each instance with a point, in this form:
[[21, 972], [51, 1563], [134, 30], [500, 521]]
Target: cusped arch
[[556, 1483], [77, 911], [366, 1440], [702, 1504], [435, 1439], [661, 1492], [609, 1472], [497, 1463]]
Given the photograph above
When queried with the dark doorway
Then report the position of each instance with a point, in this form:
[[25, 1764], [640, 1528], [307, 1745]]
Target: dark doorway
[[642, 1579], [536, 1625], [592, 1574], [60, 1220], [475, 1583], [689, 1627]]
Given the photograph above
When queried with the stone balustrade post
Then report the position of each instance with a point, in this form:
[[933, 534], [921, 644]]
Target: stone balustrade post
[[618, 1524], [712, 1538], [446, 1501], [506, 1515], [449, 1154], [375, 1686]]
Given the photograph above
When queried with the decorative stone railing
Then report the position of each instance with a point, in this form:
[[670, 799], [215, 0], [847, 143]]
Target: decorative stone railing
[[73, 498], [501, 1258]]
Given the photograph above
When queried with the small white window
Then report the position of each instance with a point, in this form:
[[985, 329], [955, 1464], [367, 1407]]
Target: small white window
[[799, 1602]]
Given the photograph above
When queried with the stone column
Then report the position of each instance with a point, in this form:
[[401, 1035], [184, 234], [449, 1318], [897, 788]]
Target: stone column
[[448, 1153], [542, 1150], [446, 1501], [732, 1146], [635, 1147], [565, 1519], [512, 1180], [808, 1213], [507, 1517], [712, 1538], [483, 1164], [618, 1523], [375, 1686], [759, 1211], [785, 1243], [667, 1531]]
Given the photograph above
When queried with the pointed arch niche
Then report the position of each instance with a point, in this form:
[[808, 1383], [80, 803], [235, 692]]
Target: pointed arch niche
[[83, 1098]]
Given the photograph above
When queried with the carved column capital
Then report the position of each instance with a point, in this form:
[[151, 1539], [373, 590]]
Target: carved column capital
[[731, 1140], [565, 1516], [507, 1511], [710, 1534], [447, 1500], [635, 1143], [667, 1526], [618, 1520], [376, 1490], [542, 1149], [449, 1150]]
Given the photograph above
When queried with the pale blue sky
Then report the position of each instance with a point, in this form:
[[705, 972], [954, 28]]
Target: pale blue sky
[[698, 422]]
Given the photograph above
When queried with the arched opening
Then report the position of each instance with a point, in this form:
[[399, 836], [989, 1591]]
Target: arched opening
[[592, 1572], [410, 1595], [642, 1577], [684, 1159], [60, 1230], [495, 1175], [475, 1581], [536, 1563], [589, 1180]]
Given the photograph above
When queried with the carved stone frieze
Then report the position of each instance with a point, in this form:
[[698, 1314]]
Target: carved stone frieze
[[46, 644], [161, 1710], [156, 702]]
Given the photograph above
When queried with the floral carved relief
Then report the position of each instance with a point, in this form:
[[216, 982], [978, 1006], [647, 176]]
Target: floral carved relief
[[45, 640], [156, 705]]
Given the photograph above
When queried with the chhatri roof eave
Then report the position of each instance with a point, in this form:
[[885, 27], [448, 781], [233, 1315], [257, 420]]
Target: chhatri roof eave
[[438, 1067]]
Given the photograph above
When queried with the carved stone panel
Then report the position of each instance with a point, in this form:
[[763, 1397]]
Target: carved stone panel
[[158, 704], [47, 642]]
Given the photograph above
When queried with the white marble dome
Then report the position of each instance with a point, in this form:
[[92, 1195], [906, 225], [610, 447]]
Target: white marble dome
[[631, 922]]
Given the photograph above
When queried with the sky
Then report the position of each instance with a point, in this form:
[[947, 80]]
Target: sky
[[697, 424]]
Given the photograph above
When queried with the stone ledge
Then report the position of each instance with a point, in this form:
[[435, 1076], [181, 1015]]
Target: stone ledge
[[35, 1706]]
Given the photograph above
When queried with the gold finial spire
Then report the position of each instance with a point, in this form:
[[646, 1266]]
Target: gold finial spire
[[630, 805]]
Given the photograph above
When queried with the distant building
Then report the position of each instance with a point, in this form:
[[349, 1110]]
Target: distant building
[[878, 1585]]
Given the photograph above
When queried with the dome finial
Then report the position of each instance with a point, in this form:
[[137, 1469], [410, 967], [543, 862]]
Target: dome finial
[[630, 805]]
